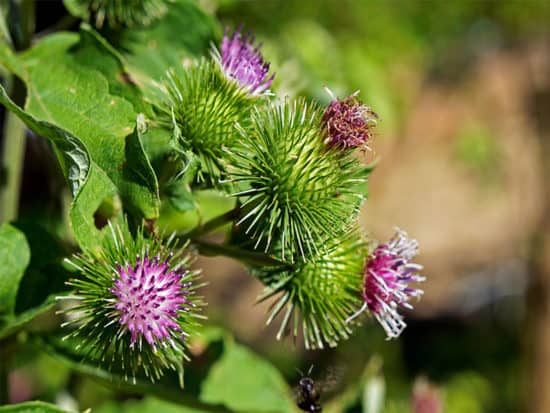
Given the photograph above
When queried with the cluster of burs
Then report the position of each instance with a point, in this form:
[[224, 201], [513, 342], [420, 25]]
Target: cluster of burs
[[295, 171]]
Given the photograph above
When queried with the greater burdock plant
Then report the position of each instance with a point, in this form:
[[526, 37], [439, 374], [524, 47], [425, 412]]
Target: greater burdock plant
[[286, 176]]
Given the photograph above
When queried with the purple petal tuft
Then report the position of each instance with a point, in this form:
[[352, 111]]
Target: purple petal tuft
[[243, 62], [348, 123], [149, 297], [388, 273]]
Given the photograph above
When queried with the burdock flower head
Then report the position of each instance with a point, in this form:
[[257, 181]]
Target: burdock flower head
[[205, 100], [295, 191], [388, 272], [348, 123], [242, 61], [136, 303], [317, 296], [148, 295]]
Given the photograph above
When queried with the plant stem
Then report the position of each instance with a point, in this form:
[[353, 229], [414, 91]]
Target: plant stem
[[246, 257], [21, 20], [213, 223], [12, 165], [210, 249]]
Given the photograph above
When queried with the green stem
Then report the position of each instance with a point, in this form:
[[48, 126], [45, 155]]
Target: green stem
[[210, 249], [213, 223], [12, 165], [246, 257], [21, 20]]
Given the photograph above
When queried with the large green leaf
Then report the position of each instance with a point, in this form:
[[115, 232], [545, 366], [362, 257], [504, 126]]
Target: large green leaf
[[87, 181], [76, 83], [244, 382], [78, 100], [14, 258], [32, 407]]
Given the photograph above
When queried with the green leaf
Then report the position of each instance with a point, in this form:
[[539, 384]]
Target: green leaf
[[141, 182], [180, 196], [244, 382], [14, 258], [43, 280], [183, 32], [82, 97], [78, 100], [45, 274], [86, 180], [32, 407], [94, 52], [72, 154]]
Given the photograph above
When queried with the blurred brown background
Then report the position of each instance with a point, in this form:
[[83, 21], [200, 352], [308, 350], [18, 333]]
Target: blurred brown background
[[463, 91]]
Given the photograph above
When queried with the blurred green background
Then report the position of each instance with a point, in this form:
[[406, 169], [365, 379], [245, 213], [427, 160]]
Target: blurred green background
[[463, 92]]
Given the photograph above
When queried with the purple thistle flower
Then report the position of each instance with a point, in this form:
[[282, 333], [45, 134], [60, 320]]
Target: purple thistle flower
[[243, 62], [149, 298], [348, 122], [388, 273]]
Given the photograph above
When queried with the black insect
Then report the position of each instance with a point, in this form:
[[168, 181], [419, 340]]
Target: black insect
[[309, 394]]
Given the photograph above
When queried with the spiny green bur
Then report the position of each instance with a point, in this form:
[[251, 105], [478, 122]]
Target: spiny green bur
[[205, 107], [296, 191], [318, 295]]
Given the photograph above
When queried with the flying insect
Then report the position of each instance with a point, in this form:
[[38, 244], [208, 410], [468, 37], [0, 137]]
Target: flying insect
[[309, 394]]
